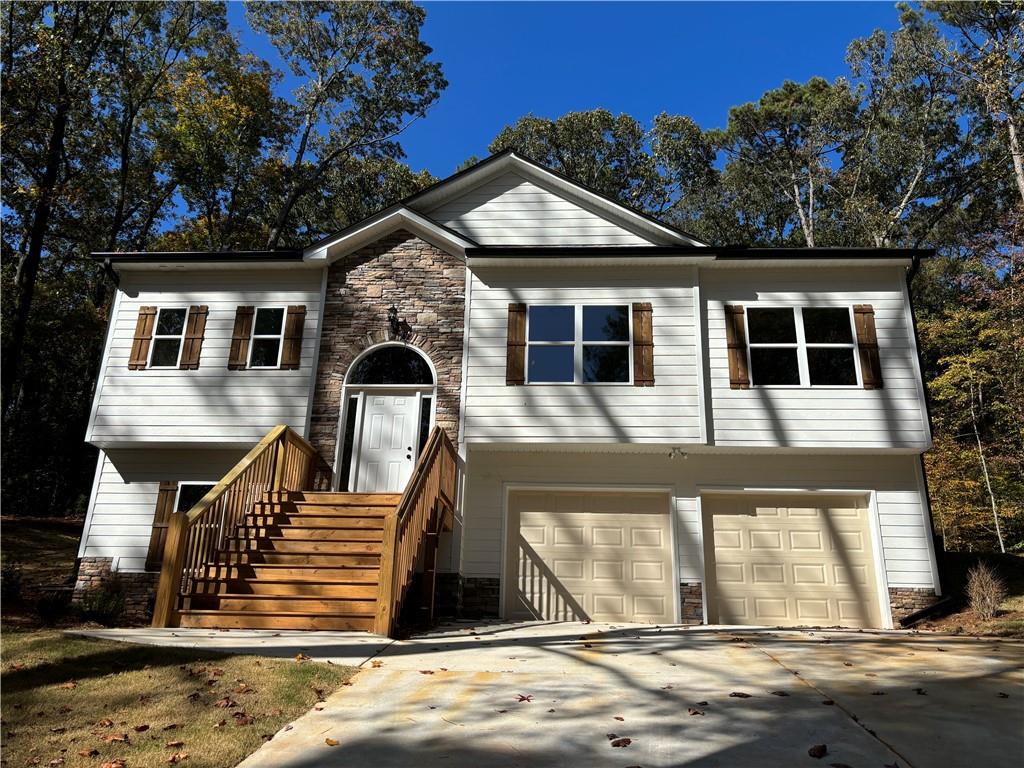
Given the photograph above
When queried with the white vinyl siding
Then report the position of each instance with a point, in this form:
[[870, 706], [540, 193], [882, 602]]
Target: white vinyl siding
[[820, 416], [211, 405], [901, 503], [121, 511], [510, 210], [608, 413]]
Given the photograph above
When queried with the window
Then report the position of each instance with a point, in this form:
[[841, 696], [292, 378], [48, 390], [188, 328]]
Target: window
[[578, 344], [801, 346], [167, 337], [392, 365], [190, 494], [267, 333]]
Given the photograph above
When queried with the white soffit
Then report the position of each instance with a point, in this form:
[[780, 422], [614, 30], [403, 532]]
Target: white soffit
[[658, 234], [383, 224]]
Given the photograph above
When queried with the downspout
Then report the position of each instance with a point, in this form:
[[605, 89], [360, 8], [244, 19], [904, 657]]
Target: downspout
[[915, 265]]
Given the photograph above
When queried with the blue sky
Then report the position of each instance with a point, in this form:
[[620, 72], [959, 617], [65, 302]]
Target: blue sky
[[504, 60]]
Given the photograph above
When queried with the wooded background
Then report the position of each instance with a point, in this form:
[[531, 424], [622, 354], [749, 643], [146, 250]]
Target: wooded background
[[132, 126]]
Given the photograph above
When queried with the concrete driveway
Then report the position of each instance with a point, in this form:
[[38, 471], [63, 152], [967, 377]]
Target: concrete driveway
[[566, 694]]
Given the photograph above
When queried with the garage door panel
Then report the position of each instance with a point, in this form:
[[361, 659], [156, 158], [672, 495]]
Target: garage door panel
[[581, 555], [773, 564]]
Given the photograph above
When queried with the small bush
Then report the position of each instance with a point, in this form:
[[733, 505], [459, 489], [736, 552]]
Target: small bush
[[52, 605], [985, 591], [11, 583], [105, 604]]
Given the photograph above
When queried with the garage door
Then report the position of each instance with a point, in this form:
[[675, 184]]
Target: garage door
[[790, 561], [598, 556]]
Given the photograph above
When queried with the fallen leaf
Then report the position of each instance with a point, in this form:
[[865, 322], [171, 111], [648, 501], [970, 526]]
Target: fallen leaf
[[426, 671], [177, 757], [194, 696], [118, 738], [105, 723], [620, 719], [225, 703], [331, 742], [847, 664], [69, 685], [828, 702], [59, 729], [502, 711], [527, 698], [878, 693], [818, 751], [56, 762], [88, 753], [376, 664], [245, 688], [621, 742], [115, 763], [174, 744], [702, 703], [839, 765], [221, 724], [216, 672], [301, 657], [920, 691], [1002, 695], [695, 711], [739, 695], [243, 719], [779, 693], [169, 727], [140, 728]]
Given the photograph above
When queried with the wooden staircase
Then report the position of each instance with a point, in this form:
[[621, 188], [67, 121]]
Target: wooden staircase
[[309, 560], [263, 551]]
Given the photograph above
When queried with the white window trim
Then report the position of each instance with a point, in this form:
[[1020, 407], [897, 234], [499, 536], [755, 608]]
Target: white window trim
[[177, 493], [578, 343], [279, 336], [801, 345], [179, 336]]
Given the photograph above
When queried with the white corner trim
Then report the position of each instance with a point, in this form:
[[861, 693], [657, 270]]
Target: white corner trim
[[384, 224], [908, 315], [927, 522], [92, 504], [699, 337], [467, 292], [315, 363], [882, 579], [104, 363]]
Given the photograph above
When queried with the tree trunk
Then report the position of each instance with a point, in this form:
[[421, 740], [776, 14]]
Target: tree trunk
[[984, 472], [1016, 153]]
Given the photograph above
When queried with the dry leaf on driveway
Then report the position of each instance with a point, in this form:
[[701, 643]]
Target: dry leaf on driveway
[[818, 751]]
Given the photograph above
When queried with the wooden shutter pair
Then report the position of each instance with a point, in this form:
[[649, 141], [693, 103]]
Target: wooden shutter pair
[[867, 346], [161, 519], [291, 354], [643, 345], [195, 329]]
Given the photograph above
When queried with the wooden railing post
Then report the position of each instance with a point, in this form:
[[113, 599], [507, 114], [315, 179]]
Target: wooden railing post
[[165, 612], [280, 461], [384, 618]]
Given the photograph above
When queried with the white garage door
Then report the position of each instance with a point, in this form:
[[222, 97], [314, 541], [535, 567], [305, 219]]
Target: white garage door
[[780, 561], [598, 556]]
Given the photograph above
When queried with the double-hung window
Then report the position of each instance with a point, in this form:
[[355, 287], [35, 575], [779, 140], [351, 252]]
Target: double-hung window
[[168, 334], [802, 346], [573, 344], [267, 336]]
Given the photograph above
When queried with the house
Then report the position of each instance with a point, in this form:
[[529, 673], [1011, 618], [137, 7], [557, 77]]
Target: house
[[518, 398]]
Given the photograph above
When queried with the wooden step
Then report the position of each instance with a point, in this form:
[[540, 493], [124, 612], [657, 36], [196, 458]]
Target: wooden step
[[314, 521], [314, 574], [352, 590], [280, 620], [325, 497], [302, 509], [306, 604], [312, 546], [298, 558], [308, 533]]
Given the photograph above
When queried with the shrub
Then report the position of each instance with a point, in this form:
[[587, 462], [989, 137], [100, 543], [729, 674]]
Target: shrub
[[985, 591], [105, 604], [52, 605], [11, 583]]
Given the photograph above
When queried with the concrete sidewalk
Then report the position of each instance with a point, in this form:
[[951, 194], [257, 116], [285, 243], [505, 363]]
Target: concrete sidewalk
[[565, 694]]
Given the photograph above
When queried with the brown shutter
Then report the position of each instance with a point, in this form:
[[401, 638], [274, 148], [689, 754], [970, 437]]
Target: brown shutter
[[736, 340], [867, 345], [292, 351], [238, 357], [161, 519], [643, 346], [195, 328], [143, 336], [515, 353]]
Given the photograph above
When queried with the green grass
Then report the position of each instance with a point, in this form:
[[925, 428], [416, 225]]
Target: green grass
[[64, 695]]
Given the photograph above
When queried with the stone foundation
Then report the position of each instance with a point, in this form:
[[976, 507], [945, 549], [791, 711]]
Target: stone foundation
[[691, 597], [139, 588], [904, 601], [480, 598], [448, 595]]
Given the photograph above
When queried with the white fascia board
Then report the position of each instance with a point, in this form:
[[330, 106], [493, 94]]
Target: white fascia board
[[381, 226], [640, 225], [211, 266], [802, 262], [589, 261]]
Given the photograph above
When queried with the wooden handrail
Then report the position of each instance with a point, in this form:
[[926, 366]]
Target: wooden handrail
[[281, 461], [428, 499]]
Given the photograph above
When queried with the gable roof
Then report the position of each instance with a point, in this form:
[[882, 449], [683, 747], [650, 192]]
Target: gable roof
[[413, 212]]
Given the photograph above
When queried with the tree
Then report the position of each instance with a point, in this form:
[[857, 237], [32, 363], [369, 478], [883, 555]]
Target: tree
[[366, 74]]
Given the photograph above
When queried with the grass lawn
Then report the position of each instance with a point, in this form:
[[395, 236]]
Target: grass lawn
[[43, 548], [91, 702], [1010, 620]]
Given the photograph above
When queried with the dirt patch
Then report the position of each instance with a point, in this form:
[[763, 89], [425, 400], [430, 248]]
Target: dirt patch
[[1010, 620]]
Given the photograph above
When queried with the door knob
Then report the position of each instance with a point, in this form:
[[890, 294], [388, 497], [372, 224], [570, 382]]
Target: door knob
[[409, 448]]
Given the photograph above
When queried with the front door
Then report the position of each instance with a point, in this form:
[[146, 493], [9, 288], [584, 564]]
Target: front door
[[385, 455]]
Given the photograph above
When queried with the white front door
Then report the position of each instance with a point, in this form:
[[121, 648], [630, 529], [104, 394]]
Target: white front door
[[385, 455]]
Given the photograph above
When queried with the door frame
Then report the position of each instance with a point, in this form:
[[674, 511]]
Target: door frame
[[360, 391], [874, 523], [508, 488]]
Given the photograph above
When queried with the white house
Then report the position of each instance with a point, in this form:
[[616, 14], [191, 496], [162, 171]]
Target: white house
[[642, 427]]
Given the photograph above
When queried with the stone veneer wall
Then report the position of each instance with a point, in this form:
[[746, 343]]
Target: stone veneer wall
[[139, 588], [903, 601], [427, 287], [480, 597], [691, 596]]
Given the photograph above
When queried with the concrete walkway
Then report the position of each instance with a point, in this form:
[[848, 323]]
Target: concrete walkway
[[538, 695]]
